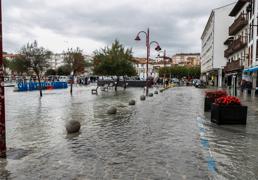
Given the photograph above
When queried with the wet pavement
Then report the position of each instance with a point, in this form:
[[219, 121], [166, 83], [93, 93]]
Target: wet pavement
[[168, 136]]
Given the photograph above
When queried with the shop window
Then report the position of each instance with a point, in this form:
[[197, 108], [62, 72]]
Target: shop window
[[256, 52], [251, 55]]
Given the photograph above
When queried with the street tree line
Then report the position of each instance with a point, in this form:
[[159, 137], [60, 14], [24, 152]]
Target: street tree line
[[114, 61], [33, 59], [180, 72]]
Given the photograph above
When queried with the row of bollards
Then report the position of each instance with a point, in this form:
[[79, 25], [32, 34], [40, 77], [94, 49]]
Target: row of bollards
[[143, 98], [74, 126]]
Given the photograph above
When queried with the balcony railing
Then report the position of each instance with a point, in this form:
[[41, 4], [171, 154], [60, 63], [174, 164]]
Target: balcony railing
[[233, 66], [238, 24], [235, 46]]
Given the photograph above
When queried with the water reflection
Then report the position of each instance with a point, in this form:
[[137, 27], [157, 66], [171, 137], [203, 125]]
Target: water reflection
[[4, 173]]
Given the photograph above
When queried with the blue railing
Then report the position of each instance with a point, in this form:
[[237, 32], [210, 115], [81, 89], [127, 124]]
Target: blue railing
[[32, 86]]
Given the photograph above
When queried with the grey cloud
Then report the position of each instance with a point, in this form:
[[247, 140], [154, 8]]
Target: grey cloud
[[176, 25]]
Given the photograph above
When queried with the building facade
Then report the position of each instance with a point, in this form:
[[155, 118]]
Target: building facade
[[237, 45], [251, 66], [140, 65], [212, 50], [186, 59], [56, 60]]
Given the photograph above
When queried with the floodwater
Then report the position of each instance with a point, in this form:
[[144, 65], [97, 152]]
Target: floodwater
[[165, 137]]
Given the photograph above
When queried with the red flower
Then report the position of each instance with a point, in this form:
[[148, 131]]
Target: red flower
[[215, 94], [228, 100]]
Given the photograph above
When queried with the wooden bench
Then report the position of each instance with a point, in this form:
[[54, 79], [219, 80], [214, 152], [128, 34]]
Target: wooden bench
[[95, 91]]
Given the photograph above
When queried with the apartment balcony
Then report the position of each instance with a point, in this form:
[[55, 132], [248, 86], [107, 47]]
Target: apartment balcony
[[228, 52], [235, 46], [237, 25], [233, 66]]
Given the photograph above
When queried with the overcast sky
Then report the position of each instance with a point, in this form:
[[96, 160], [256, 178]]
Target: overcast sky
[[91, 24]]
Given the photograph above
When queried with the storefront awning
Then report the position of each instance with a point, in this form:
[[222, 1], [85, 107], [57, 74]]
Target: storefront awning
[[253, 69]]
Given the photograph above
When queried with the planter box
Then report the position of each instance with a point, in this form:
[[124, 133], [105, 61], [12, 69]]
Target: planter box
[[231, 114], [207, 104]]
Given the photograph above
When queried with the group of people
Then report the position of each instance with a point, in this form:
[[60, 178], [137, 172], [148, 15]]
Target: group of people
[[86, 80], [246, 83]]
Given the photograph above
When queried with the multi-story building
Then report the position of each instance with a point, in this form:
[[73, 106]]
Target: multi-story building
[[56, 60], [186, 59], [140, 65], [212, 51], [237, 51], [89, 67], [251, 66]]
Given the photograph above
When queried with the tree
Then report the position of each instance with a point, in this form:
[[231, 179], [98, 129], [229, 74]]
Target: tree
[[75, 60], [35, 58], [6, 64], [114, 61], [50, 72], [181, 71], [19, 65], [64, 70]]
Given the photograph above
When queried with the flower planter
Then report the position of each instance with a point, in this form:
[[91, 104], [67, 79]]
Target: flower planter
[[207, 103], [228, 114], [211, 96]]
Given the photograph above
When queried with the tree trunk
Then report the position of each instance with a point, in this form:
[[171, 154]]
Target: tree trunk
[[71, 89], [116, 84], [40, 87], [124, 83]]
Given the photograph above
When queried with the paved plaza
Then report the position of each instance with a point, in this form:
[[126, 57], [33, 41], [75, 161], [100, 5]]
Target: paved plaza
[[168, 136]]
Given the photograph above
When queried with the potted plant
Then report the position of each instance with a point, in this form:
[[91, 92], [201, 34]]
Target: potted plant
[[211, 96], [228, 110]]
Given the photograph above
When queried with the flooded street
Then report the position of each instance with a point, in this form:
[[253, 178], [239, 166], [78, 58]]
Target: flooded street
[[168, 136]]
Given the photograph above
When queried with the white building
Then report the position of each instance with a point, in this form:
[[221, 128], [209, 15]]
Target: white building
[[212, 52], [56, 61], [251, 66], [89, 67], [140, 65], [186, 59], [237, 51]]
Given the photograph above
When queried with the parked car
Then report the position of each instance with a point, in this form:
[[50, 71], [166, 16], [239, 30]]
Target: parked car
[[194, 81], [200, 84], [175, 81]]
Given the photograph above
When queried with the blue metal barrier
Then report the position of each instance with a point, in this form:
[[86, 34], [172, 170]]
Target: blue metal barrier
[[32, 86]]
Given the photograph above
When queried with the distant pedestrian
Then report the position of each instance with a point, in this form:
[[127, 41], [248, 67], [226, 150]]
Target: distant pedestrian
[[166, 83]]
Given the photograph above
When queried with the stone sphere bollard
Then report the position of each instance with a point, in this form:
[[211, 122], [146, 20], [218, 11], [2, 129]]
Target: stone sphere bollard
[[150, 94], [112, 110], [73, 127], [142, 98], [132, 102], [156, 92]]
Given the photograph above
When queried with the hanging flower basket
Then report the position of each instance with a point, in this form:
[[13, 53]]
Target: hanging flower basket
[[210, 97], [228, 110]]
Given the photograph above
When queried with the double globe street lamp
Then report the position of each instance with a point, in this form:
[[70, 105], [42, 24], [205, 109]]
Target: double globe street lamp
[[148, 44]]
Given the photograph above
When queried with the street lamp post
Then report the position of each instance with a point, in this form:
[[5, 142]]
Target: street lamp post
[[148, 44], [2, 100]]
